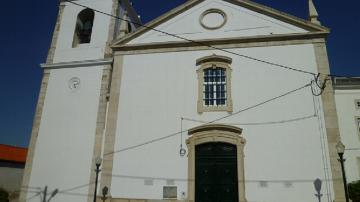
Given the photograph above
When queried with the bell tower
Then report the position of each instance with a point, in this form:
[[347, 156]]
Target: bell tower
[[69, 123]]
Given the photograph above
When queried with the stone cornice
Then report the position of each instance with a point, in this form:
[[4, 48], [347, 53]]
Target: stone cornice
[[210, 127], [85, 63], [222, 41]]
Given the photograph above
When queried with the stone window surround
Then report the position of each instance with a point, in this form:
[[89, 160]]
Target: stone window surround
[[215, 133], [210, 62]]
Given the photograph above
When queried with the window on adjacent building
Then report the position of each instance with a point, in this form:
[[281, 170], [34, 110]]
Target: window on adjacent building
[[358, 125], [84, 25], [357, 104], [358, 164], [214, 84]]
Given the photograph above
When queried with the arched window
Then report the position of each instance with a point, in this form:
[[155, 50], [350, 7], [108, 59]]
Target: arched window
[[214, 77], [84, 25]]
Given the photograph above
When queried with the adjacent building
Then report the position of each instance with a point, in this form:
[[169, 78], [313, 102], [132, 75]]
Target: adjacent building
[[12, 163], [212, 101], [347, 97]]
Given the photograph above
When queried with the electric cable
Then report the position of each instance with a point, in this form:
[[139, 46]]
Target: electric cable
[[261, 123], [324, 156], [36, 193], [352, 149], [75, 188], [215, 120]]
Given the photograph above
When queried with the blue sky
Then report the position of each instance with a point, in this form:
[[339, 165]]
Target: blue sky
[[26, 34]]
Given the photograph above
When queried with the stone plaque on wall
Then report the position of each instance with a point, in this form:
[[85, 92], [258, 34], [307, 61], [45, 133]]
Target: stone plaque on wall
[[170, 192]]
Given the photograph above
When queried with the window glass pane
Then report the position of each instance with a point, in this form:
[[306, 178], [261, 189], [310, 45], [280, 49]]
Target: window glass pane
[[222, 87], [206, 75], [207, 90], [222, 102], [218, 88], [218, 72], [214, 86]]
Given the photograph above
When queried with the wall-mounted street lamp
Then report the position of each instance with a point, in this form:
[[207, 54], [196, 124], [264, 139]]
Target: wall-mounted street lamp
[[317, 185], [340, 147], [97, 170]]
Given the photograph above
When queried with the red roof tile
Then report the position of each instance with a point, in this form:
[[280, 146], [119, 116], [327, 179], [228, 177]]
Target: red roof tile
[[12, 153]]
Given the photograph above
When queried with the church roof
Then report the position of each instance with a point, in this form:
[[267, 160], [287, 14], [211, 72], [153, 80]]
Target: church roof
[[251, 5]]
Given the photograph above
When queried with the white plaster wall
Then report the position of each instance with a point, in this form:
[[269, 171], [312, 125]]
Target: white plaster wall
[[96, 48], [10, 178], [350, 136], [241, 22], [157, 89], [64, 146]]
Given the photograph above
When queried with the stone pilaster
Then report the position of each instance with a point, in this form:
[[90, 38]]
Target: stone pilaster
[[54, 40], [111, 123], [34, 135], [39, 107], [103, 108], [100, 127], [331, 121]]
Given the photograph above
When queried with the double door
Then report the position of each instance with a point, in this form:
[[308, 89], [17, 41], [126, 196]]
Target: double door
[[216, 177]]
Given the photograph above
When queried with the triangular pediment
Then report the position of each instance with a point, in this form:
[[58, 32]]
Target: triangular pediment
[[200, 20]]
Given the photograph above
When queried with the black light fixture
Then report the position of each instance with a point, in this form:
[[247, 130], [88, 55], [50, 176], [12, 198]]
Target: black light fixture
[[317, 185], [105, 191], [340, 147], [97, 170]]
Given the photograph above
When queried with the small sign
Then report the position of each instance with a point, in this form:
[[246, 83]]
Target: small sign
[[169, 192]]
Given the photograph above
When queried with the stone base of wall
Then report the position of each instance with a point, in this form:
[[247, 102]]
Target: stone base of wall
[[142, 200]]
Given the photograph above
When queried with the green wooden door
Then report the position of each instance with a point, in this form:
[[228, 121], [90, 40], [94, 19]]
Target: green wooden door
[[216, 173]]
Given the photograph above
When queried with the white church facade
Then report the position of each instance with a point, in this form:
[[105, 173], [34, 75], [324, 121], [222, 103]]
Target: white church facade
[[214, 101]]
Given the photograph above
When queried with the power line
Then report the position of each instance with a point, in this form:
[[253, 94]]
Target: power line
[[218, 119], [352, 149], [76, 187], [196, 42], [261, 123]]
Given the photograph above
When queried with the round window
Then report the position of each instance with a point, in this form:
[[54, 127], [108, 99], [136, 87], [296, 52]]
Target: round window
[[213, 19]]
